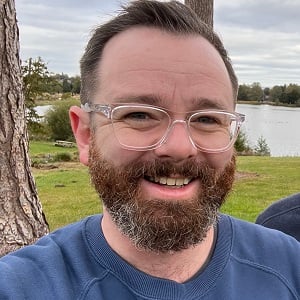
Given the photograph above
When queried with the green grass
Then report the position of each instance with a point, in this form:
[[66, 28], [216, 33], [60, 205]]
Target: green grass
[[270, 178], [63, 188], [67, 196], [45, 152], [44, 148]]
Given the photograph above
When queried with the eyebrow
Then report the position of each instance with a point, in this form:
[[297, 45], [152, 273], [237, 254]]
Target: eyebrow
[[206, 103], [140, 99], [156, 100]]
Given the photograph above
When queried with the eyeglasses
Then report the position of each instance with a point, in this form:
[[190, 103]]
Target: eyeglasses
[[146, 127]]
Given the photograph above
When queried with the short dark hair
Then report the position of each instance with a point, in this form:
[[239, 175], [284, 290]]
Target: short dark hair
[[173, 17]]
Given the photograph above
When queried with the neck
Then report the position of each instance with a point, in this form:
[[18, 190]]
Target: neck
[[177, 266]]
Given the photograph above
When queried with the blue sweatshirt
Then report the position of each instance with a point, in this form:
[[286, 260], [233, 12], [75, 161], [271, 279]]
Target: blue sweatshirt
[[249, 262]]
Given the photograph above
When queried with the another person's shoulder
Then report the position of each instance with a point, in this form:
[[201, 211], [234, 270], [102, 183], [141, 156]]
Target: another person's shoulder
[[283, 215]]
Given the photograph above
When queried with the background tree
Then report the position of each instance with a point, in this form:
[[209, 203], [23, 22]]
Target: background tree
[[35, 80], [292, 94], [21, 217], [244, 92], [67, 85], [275, 93], [266, 94], [204, 9], [256, 92], [252, 92], [35, 76], [76, 83]]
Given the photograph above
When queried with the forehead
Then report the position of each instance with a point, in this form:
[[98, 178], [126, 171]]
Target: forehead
[[148, 61]]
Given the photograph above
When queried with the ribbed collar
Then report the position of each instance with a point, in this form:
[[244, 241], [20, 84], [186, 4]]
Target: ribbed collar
[[153, 287]]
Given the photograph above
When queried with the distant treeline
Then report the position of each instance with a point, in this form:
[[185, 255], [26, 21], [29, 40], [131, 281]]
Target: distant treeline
[[278, 94], [38, 81]]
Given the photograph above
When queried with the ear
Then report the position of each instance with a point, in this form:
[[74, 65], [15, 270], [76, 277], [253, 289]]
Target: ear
[[81, 130]]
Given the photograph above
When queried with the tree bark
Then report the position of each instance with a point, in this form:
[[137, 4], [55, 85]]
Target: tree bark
[[204, 9], [21, 218]]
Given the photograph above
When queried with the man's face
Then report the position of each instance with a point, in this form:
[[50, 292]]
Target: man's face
[[180, 74]]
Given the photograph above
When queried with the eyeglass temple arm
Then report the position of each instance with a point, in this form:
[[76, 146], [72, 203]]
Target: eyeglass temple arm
[[105, 109], [242, 118]]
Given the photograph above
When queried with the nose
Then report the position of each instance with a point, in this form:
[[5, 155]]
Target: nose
[[177, 144]]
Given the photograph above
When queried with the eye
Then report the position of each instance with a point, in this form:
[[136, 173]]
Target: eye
[[131, 115], [138, 118], [206, 120], [142, 116]]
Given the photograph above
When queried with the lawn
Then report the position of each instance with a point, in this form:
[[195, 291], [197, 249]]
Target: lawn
[[46, 149], [67, 195], [265, 180]]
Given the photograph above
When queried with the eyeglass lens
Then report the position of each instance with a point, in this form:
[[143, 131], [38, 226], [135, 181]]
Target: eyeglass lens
[[145, 127]]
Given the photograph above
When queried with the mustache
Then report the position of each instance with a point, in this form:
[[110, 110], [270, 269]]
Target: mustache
[[158, 168]]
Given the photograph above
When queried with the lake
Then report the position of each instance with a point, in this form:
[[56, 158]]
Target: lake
[[278, 125], [42, 109]]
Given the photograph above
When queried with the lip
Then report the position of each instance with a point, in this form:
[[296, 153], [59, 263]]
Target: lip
[[153, 190]]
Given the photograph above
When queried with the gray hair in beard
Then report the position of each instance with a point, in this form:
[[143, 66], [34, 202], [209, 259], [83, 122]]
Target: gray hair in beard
[[155, 224]]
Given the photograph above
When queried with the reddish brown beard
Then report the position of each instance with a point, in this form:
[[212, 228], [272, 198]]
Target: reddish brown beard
[[158, 225]]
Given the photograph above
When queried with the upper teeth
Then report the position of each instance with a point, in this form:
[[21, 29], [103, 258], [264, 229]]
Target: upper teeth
[[171, 181]]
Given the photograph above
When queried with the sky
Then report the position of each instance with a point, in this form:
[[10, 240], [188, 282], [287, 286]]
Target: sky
[[262, 37]]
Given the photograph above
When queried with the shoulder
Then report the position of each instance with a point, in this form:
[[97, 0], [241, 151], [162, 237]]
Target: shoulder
[[68, 237], [257, 238], [283, 215], [46, 263], [261, 263], [266, 250]]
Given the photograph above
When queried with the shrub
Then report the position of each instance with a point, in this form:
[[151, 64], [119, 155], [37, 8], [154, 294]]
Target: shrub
[[57, 119], [66, 96], [63, 156], [38, 131], [262, 148], [241, 144]]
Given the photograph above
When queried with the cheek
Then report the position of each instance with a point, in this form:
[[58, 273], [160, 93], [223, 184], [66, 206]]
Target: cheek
[[219, 161], [111, 150]]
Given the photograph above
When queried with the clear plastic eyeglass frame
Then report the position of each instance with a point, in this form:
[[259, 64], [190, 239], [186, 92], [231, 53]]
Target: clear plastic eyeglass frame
[[111, 111]]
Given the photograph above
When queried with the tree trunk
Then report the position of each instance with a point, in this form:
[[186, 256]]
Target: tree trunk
[[204, 9], [21, 218]]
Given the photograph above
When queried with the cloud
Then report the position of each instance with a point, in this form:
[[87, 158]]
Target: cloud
[[271, 15], [58, 30], [262, 37]]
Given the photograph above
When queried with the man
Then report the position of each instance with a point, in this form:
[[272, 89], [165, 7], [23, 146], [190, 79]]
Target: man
[[156, 128], [283, 215]]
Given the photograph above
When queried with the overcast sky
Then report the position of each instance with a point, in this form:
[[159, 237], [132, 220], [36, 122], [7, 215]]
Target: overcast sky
[[262, 37]]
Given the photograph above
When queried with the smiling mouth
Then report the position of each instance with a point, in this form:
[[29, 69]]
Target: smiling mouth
[[170, 181]]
